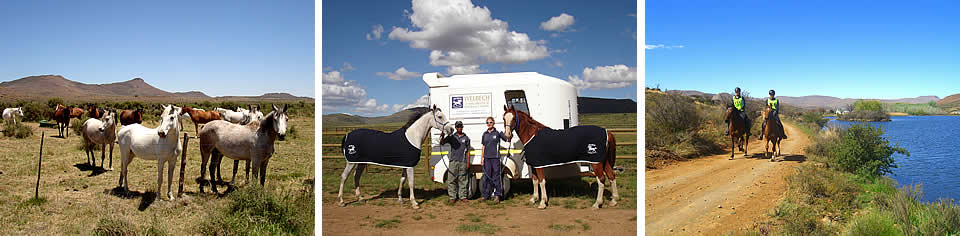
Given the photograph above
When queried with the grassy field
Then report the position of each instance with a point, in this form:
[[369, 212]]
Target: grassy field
[[572, 193], [76, 198]]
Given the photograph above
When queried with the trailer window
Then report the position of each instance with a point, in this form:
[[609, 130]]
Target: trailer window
[[517, 99]]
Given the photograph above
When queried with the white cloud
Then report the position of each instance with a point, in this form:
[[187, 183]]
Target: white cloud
[[399, 74], [375, 33], [605, 77], [655, 46], [340, 94], [557, 23], [423, 101], [464, 70], [347, 67], [461, 34]]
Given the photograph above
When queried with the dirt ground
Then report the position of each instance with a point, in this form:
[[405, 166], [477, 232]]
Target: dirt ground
[[713, 195]]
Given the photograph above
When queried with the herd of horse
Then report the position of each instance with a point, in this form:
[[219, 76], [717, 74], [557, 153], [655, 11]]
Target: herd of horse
[[740, 136], [243, 134], [525, 127]]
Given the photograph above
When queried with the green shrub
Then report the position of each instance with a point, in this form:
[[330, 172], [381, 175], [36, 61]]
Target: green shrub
[[75, 126], [863, 150], [669, 119], [873, 223], [813, 118], [257, 211], [17, 130]]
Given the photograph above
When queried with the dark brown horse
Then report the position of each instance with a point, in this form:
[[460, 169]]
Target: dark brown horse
[[94, 112], [128, 117], [62, 116], [200, 117], [739, 135], [527, 127], [774, 134]]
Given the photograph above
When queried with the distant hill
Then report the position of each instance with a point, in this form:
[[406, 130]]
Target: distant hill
[[347, 119], [46, 86], [587, 105], [818, 101], [950, 103]]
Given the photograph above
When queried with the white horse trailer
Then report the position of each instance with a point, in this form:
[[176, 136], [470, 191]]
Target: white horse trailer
[[473, 98]]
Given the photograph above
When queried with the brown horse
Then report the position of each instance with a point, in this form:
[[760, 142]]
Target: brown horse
[[94, 112], [526, 127], [774, 134], [62, 116], [76, 112], [128, 117], [739, 136], [200, 117]]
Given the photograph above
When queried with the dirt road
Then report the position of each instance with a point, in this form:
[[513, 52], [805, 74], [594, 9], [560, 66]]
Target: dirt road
[[713, 195]]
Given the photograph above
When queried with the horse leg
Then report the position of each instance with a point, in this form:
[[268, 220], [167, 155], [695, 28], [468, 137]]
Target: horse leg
[[111, 156], [127, 157], [204, 157], [234, 178], [746, 142], [103, 154], [536, 191], [733, 146], [598, 171], [263, 171], [246, 175], [413, 200], [159, 177], [543, 188], [343, 178], [356, 181], [214, 165], [403, 177], [171, 164]]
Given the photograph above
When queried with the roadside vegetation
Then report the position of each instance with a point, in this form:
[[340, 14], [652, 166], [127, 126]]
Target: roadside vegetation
[[915, 109], [866, 111], [845, 191]]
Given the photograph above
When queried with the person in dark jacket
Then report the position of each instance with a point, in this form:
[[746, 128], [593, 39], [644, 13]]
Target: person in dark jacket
[[456, 177], [492, 184]]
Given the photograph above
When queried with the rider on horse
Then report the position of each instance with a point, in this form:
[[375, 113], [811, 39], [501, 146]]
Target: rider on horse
[[774, 104], [739, 105]]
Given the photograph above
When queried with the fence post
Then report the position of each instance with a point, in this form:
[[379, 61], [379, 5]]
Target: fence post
[[36, 192], [183, 162]]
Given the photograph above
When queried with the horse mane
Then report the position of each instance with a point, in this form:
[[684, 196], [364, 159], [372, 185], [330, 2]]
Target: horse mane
[[414, 117], [535, 123]]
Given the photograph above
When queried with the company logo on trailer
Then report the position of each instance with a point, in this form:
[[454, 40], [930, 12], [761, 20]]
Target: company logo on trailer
[[351, 149], [456, 102]]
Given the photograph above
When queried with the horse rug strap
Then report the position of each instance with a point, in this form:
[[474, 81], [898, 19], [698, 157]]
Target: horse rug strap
[[376, 147], [552, 147]]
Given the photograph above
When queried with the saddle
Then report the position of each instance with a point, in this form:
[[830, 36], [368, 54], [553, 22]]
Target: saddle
[[550, 147], [376, 147]]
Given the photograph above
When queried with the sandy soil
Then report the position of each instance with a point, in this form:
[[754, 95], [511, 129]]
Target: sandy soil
[[713, 195]]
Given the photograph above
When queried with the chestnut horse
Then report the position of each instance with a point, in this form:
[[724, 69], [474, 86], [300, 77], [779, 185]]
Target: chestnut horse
[[62, 116], [774, 134], [129, 117], [527, 127], [739, 137], [76, 112], [200, 117]]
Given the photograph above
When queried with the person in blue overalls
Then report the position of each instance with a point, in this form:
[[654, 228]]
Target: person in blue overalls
[[492, 183]]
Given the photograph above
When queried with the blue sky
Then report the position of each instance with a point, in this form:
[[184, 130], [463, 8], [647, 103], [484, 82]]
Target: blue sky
[[849, 49], [220, 48], [514, 36]]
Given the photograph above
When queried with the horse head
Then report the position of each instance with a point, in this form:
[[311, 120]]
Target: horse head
[[168, 120], [19, 111], [109, 120], [509, 116], [279, 116], [440, 121]]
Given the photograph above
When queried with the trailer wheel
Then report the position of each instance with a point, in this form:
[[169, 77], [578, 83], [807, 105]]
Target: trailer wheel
[[473, 187], [506, 184]]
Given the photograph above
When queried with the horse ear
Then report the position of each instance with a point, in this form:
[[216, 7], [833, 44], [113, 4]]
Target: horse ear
[[284, 108], [275, 107], [504, 107]]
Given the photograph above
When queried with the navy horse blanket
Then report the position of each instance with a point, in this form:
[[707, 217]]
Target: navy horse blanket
[[376, 147], [550, 147]]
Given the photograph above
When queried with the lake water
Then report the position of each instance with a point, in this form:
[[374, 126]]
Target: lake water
[[934, 146]]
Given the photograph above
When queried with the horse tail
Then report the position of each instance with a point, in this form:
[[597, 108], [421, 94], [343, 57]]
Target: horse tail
[[611, 159], [343, 145]]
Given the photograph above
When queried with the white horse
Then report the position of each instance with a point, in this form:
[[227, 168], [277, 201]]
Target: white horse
[[102, 132], [10, 114], [235, 117], [417, 129], [161, 144], [252, 142]]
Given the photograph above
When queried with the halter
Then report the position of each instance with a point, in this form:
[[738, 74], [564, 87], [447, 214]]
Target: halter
[[444, 124]]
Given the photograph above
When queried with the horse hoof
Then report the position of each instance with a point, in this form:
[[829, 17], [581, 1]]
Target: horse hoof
[[533, 201], [613, 203], [341, 204], [542, 206], [595, 206], [416, 207]]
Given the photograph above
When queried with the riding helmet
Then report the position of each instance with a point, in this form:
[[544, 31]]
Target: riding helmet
[[736, 90], [772, 92]]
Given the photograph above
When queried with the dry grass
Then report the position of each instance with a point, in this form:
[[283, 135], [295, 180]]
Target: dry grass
[[81, 199]]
